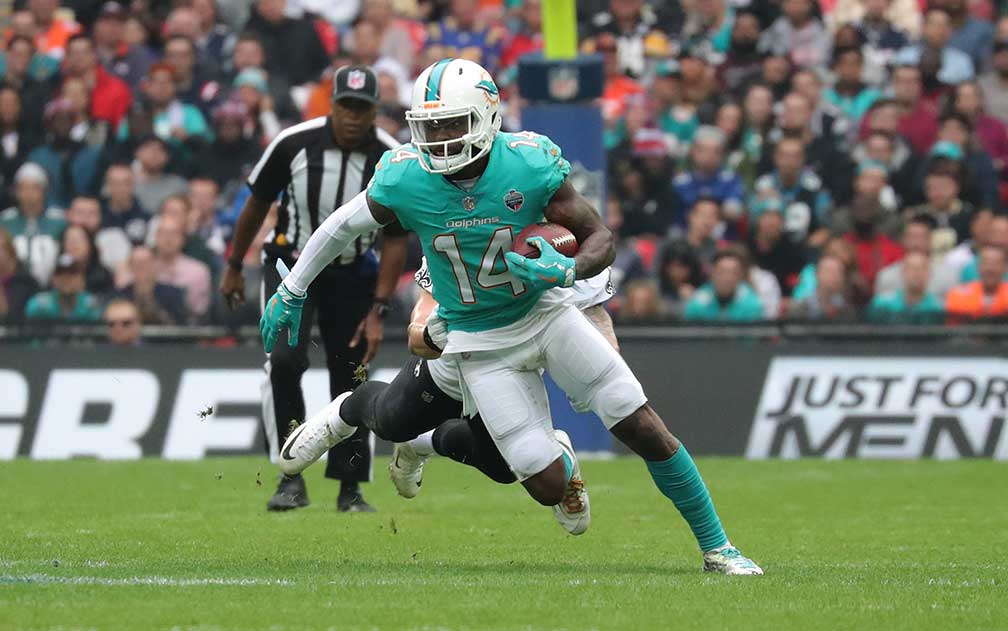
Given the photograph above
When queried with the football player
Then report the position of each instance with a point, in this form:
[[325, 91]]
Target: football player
[[466, 188]]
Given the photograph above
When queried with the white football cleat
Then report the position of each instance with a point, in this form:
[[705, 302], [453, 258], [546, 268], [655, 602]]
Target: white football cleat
[[314, 437], [406, 470], [728, 560], [574, 512]]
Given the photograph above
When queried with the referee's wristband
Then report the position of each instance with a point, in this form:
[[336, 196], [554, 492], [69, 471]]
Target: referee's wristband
[[235, 264]]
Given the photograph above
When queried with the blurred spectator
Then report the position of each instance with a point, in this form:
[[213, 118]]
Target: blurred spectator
[[701, 230], [67, 301], [841, 249], [71, 166], [111, 245], [849, 92], [647, 203], [618, 86], [952, 65], [214, 40], [248, 53], [251, 90], [123, 321], [34, 90], [706, 178], [202, 220], [995, 82], [525, 37], [110, 96], [879, 19], [152, 184], [157, 302], [916, 239], [641, 302], [93, 134], [986, 297], [968, 100], [743, 60], [871, 185], [16, 284], [969, 34], [124, 60], [175, 268], [54, 31], [823, 154], [944, 204], [232, 154], [676, 115], [873, 249], [798, 34], [179, 208], [120, 208], [951, 265], [292, 47], [912, 302], [893, 153], [638, 29], [763, 283], [708, 29], [830, 300], [79, 244], [917, 118], [26, 61], [727, 297], [679, 274], [883, 35], [827, 120], [771, 248], [15, 138], [798, 192], [996, 236], [390, 37], [173, 121], [34, 226], [190, 75], [956, 141]]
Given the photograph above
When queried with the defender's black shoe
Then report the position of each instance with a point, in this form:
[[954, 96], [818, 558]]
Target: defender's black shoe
[[291, 493], [353, 503]]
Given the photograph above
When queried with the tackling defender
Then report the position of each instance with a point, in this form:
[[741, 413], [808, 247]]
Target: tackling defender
[[464, 188]]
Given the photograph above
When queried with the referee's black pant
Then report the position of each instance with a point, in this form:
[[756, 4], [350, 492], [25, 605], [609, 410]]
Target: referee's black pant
[[339, 299]]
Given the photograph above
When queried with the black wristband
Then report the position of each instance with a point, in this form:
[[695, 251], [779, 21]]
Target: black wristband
[[430, 342], [235, 264]]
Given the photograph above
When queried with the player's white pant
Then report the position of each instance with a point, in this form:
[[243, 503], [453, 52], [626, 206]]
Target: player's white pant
[[507, 388]]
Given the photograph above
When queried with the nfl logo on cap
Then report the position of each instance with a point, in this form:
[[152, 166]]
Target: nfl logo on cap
[[356, 79]]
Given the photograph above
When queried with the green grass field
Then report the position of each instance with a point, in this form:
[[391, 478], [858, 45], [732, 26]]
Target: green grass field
[[159, 545]]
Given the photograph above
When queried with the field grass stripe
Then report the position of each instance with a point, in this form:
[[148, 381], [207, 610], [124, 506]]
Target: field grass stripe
[[160, 581]]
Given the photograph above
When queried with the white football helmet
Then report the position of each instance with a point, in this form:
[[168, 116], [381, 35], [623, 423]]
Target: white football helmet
[[453, 93]]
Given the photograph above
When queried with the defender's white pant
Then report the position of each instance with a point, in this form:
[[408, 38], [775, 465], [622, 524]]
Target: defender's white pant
[[506, 387]]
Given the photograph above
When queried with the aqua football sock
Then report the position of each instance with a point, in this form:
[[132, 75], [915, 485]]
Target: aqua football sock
[[678, 479]]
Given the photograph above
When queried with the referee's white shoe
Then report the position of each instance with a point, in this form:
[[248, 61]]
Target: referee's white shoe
[[314, 437]]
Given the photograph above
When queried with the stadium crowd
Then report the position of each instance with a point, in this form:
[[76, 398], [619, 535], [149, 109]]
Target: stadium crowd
[[825, 160]]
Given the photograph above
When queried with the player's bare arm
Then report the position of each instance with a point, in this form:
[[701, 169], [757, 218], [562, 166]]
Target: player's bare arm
[[596, 244], [252, 215]]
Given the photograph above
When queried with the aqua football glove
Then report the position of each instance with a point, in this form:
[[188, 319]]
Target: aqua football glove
[[551, 269], [282, 312]]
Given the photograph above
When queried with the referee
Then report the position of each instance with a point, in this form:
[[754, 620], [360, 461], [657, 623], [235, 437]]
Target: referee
[[314, 168]]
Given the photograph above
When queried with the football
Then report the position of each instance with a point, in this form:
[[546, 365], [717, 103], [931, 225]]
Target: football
[[560, 238]]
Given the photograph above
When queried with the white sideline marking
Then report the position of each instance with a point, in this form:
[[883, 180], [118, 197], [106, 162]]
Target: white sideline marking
[[160, 581]]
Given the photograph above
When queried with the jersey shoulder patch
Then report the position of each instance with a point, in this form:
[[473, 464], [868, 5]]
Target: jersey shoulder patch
[[540, 156]]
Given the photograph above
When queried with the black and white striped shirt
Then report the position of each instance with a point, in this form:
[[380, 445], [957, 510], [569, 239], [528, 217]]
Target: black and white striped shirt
[[315, 178]]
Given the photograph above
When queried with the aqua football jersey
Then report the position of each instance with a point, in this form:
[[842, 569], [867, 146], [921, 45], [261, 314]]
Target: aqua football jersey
[[464, 234]]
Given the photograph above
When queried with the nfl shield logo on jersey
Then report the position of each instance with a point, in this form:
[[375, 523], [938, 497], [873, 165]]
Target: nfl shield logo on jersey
[[356, 79], [514, 200]]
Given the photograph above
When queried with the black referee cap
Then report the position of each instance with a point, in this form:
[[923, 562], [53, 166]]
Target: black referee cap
[[355, 82]]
